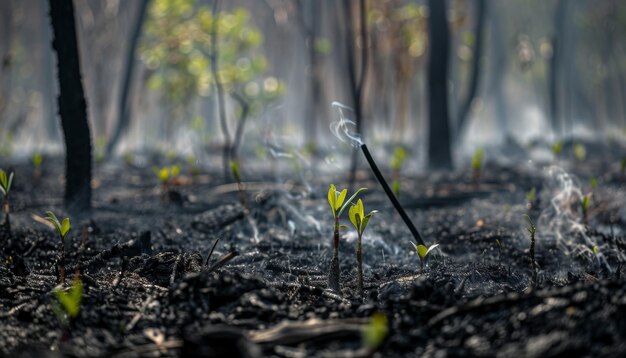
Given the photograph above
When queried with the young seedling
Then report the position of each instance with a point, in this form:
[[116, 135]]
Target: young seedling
[[531, 253], [359, 220], [399, 156], [477, 163], [580, 153], [557, 148], [166, 175], [37, 160], [234, 167], [338, 204], [499, 245], [422, 253], [531, 198], [593, 183], [374, 333], [5, 188], [67, 305], [584, 206], [62, 228]]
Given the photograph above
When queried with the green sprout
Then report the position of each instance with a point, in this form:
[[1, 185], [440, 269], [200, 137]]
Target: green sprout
[[62, 228], [166, 175], [37, 160], [584, 205], [531, 197], [422, 253], [557, 148], [531, 253], [359, 220], [593, 183], [375, 332], [580, 153], [5, 188], [477, 162], [67, 305], [338, 204], [499, 245], [234, 167], [397, 160], [595, 249]]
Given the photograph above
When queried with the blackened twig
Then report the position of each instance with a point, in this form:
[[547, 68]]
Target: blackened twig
[[206, 263], [391, 196]]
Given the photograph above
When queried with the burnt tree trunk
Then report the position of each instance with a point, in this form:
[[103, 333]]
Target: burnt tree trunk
[[556, 70], [123, 111], [72, 107], [439, 141]]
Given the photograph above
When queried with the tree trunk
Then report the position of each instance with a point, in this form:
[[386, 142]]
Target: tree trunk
[[466, 106], [221, 104], [439, 153], [72, 107], [123, 111], [556, 70]]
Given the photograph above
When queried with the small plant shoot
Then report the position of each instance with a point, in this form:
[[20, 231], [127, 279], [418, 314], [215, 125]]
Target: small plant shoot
[[62, 228], [375, 332], [359, 220], [397, 161], [477, 163], [338, 204], [422, 253], [68, 301], [531, 252]]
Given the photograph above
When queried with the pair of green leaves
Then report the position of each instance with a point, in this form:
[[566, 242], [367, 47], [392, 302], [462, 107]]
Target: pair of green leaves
[[423, 251], [358, 217], [63, 228], [5, 182], [70, 299], [336, 199], [166, 173]]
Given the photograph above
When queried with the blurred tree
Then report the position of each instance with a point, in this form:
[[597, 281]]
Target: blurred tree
[[478, 39], [439, 138], [72, 107], [190, 47], [123, 111]]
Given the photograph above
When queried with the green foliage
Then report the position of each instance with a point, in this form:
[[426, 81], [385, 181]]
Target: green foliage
[[584, 203], [531, 195], [165, 174], [323, 45], [375, 332], [337, 202], [68, 300], [580, 153], [358, 217], [36, 160], [5, 182], [557, 148], [595, 249], [177, 48], [423, 251], [593, 183], [398, 158], [477, 159], [395, 187], [234, 167], [63, 228]]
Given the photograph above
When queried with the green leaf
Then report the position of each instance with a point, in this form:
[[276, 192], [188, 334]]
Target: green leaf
[[71, 299], [350, 201], [366, 219], [53, 219], [341, 198], [352, 216], [65, 227], [375, 332], [422, 251], [234, 167], [332, 198], [10, 182], [595, 249]]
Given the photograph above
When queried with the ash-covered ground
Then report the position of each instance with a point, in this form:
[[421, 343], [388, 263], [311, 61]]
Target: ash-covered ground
[[149, 289]]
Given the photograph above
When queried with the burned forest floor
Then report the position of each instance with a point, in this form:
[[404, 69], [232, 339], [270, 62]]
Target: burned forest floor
[[150, 287]]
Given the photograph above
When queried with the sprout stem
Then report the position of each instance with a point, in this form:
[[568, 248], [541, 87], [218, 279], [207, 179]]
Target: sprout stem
[[391, 196]]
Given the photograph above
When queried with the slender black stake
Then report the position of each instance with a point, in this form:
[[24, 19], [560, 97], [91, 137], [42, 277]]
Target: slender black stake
[[392, 197]]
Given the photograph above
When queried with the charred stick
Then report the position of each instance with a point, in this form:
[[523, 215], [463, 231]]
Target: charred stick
[[391, 196]]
